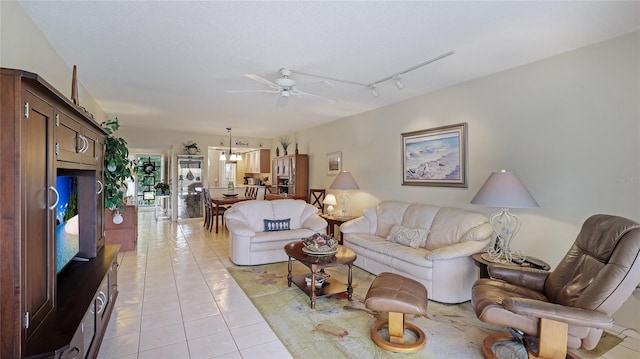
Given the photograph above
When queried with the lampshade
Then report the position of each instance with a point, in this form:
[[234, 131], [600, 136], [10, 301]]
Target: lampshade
[[330, 199], [505, 190], [344, 181]]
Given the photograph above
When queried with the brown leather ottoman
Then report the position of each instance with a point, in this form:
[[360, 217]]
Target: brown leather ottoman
[[397, 295]]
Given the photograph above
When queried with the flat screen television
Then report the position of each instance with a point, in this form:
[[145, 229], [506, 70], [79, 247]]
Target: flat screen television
[[67, 226]]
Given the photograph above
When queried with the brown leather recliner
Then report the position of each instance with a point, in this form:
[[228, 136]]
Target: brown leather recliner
[[596, 276]]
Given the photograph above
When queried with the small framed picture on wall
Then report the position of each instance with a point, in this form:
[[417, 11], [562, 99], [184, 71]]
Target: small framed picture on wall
[[334, 163]]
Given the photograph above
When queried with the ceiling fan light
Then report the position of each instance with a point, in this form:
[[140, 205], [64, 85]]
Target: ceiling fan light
[[285, 93], [238, 157]]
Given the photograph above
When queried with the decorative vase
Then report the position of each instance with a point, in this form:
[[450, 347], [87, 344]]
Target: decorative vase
[[285, 151], [296, 148], [192, 150], [230, 187], [277, 151]]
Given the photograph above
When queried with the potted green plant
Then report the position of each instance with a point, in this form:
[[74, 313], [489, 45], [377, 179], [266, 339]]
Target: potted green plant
[[118, 168], [191, 148], [162, 189]]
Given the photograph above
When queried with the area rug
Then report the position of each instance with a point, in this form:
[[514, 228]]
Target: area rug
[[338, 328]]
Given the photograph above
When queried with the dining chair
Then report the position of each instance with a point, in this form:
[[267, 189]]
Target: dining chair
[[316, 197], [251, 192], [208, 209]]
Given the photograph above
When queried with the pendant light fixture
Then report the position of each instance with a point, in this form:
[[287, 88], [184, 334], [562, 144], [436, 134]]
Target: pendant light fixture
[[230, 156]]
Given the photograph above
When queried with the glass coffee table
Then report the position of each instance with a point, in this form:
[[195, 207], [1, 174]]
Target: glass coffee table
[[317, 263]]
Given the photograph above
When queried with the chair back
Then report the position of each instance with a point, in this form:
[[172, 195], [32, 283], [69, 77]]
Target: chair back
[[207, 197], [602, 267], [251, 192], [316, 196]]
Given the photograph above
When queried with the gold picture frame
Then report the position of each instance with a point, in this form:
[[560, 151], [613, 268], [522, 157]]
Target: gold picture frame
[[435, 157]]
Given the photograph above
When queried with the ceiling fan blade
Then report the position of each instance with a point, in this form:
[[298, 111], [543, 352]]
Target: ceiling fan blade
[[296, 91], [262, 81]]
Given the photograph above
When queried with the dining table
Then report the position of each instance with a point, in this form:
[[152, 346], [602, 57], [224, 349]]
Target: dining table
[[223, 201]]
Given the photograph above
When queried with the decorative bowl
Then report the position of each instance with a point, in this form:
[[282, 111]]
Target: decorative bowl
[[320, 243], [230, 194]]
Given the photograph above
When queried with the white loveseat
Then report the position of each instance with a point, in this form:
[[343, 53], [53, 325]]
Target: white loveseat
[[442, 261], [250, 244]]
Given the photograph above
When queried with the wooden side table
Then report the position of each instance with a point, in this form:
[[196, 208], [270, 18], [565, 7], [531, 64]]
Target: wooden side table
[[335, 221], [483, 263]]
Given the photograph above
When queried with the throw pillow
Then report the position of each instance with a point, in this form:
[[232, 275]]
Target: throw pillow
[[408, 236], [277, 224]]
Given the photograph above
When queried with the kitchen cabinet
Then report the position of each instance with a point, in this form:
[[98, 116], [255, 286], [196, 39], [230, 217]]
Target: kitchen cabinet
[[290, 177], [41, 312], [258, 161]]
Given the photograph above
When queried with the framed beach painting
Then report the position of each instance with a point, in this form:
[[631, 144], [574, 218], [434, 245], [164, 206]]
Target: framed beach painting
[[435, 157], [334, 163]]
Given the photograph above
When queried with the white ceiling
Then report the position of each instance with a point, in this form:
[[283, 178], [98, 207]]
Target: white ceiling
[[169, 65]]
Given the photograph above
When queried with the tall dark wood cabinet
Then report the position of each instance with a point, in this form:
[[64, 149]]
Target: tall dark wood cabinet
[[44, 135]]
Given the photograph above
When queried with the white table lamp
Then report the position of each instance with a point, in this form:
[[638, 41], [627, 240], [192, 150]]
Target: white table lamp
[[504, 190], [330, 201], [344, 181]]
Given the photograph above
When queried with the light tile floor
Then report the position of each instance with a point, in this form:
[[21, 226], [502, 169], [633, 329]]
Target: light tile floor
[[178, 301]]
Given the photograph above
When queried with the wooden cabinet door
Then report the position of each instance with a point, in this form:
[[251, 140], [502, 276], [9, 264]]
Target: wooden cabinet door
[[92, 147], [263, 161], [89, 329], [68, 142], [38, 238], [100, 210]]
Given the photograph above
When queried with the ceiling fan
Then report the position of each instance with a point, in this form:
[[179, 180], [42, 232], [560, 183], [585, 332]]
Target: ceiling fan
[[284, 87]]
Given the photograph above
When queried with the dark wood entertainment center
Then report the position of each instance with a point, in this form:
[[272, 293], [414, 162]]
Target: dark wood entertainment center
[[44, 314]]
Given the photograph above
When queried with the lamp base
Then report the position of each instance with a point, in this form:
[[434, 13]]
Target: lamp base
[[505, 225], [344, 202]]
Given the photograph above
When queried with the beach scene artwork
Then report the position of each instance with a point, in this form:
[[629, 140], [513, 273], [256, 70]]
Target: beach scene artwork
[[434, 157]]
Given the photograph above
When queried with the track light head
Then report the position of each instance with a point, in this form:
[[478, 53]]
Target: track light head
[[374, 90], [398, 82]]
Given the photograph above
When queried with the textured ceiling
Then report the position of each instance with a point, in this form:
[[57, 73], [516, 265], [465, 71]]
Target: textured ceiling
[[169, 64]]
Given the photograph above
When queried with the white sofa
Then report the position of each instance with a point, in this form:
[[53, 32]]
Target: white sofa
[[442, 262], [250, 244]]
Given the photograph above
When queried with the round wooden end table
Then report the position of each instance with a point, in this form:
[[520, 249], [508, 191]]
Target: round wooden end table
[[482, 261], [317, 263]]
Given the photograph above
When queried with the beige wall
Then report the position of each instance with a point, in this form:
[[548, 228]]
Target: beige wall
[[24, 47], [568, 126]]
